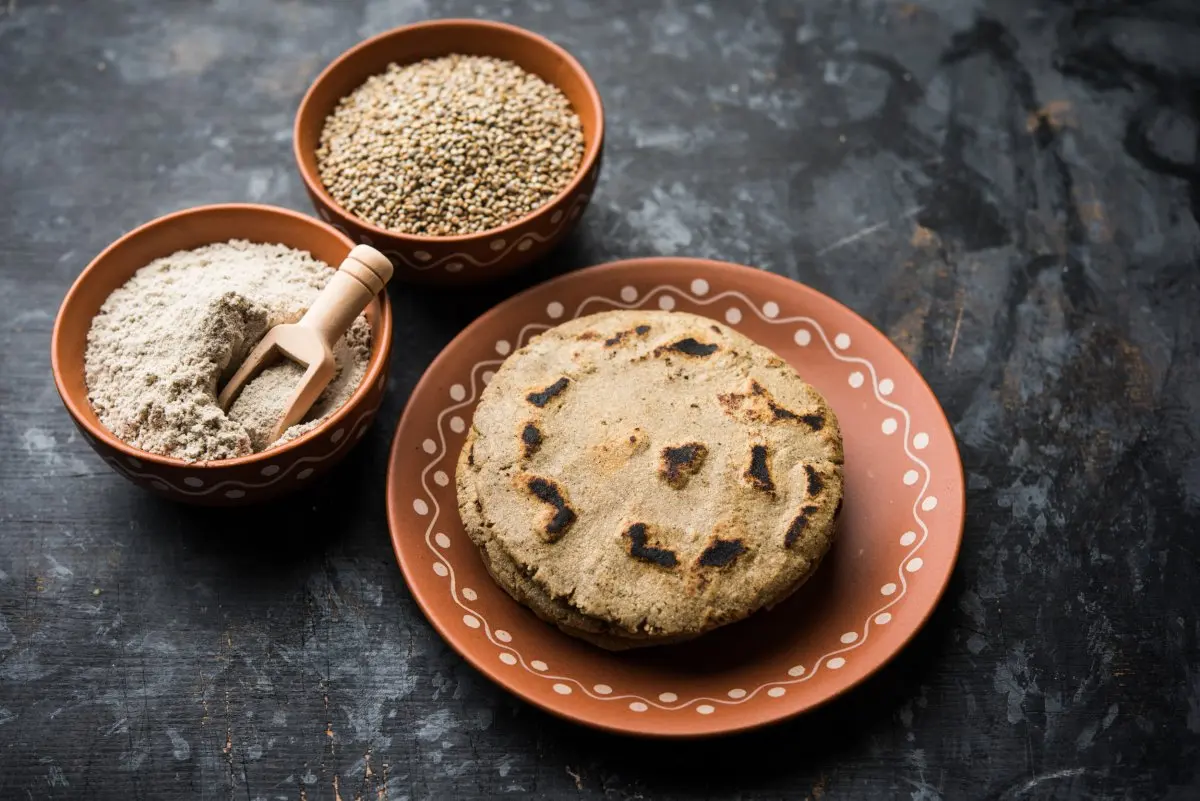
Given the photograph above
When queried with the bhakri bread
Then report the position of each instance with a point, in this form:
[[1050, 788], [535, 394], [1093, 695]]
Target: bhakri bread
[[641, 477]]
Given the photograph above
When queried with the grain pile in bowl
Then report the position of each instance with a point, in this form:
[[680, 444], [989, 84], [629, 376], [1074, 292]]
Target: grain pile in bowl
[[164, 342], [450, 146]]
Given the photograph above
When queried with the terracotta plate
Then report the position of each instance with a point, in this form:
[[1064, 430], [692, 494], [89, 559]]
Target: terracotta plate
[[901, 525]]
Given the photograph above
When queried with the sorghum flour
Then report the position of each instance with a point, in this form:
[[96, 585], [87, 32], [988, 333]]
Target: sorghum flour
[[448, 146], [164, 341]]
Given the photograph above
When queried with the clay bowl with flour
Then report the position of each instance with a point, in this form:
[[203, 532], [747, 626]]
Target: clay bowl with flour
[[229, 482], [472, 258]]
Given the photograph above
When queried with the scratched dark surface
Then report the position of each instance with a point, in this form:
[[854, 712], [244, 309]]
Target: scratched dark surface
[[1009, 190]]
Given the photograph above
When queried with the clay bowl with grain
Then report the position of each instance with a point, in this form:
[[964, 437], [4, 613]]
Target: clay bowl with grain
[[471, 258], [228, 482]]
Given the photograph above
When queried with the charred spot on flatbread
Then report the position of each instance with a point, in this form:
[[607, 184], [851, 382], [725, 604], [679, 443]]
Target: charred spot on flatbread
[[796, 529], [621, 336], [815, 482], [721, 553], [688, 346], [640, 547], [681, 462], [543, 396], [531, 439], [563, 517], [814, 421], [758, 472]]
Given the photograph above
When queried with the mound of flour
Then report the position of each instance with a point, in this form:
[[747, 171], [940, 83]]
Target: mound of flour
[[164, 342]]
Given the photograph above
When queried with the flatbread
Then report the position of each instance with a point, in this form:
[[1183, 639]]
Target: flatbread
[[648, 476]]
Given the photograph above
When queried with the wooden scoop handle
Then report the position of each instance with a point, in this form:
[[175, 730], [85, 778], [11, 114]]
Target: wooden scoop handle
[[361, 277]]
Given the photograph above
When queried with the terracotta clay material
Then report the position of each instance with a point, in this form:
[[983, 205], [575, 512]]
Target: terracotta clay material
[[472, 258], [901, 523], [230, 482]]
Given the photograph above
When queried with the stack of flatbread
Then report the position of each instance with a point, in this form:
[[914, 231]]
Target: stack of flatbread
[[640, 477]]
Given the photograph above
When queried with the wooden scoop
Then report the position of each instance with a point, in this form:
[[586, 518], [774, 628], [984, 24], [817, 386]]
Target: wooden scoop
[[310, 342]]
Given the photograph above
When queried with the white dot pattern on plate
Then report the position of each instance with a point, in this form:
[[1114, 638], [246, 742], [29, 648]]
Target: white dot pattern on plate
[[420, 507], [471, 621], [442, 540], [234, 494], [361, 432], [162, 487], [556, 217], [133, 462], [454, 267], [192, 481], [524, 245], [734, 315], [497, 244], [305, 473], [336, 437], [440, 569], [422, 255]]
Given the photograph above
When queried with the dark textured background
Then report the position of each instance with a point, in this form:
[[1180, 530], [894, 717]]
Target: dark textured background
[[1009, 190]]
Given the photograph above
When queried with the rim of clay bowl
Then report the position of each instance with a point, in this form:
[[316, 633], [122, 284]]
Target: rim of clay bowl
[[591, 149], [375, 366]]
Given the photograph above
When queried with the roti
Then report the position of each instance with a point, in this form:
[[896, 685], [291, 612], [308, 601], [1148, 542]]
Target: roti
[[640, 477]]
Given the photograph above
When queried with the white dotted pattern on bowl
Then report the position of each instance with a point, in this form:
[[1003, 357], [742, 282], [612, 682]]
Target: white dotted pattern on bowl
[[422, 260], [195, 486], [664, 297]]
